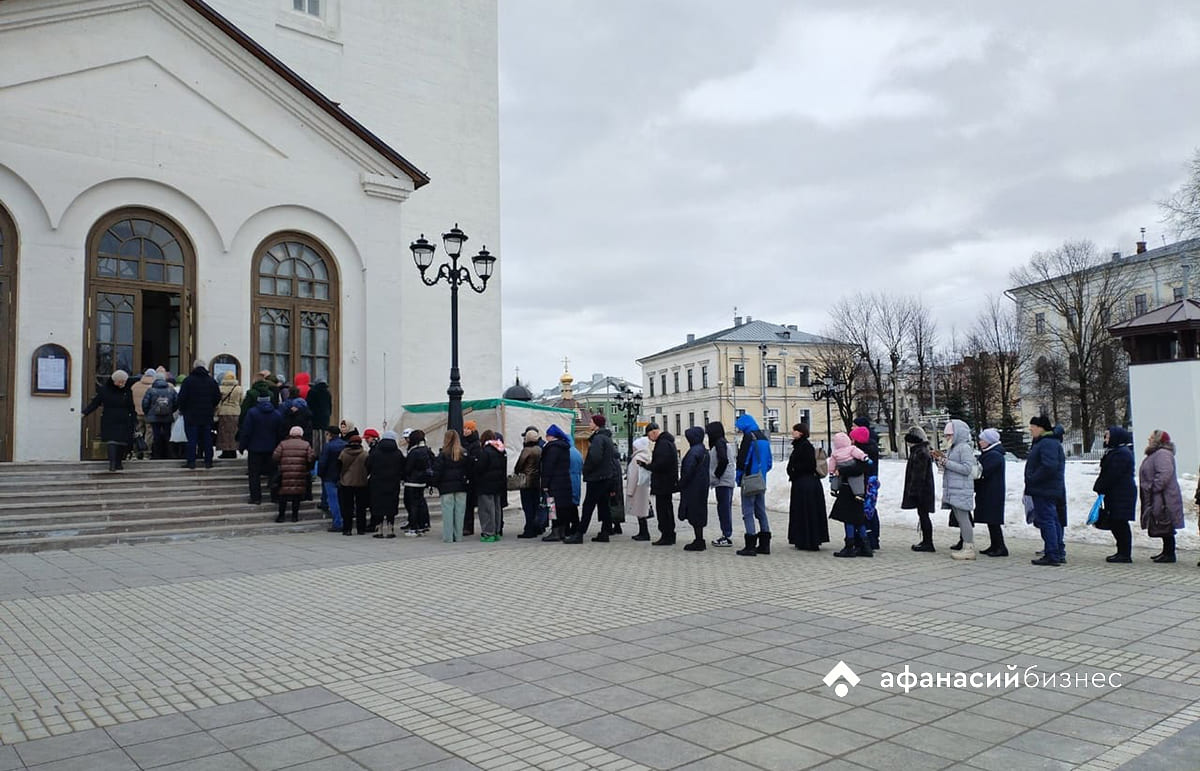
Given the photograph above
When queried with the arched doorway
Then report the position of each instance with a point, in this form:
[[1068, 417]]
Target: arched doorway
[[140, 287], [295, 313], [8, 330]]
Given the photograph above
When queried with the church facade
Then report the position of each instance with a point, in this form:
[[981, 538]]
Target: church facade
[[238, 181]]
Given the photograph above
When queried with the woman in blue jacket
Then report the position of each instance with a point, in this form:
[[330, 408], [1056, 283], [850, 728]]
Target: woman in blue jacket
[[754, 457], [1116, 484]]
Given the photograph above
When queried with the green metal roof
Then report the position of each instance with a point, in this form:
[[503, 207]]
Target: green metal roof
[[484, 404]]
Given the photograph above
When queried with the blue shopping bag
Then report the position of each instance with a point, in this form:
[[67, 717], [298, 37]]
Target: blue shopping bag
[[1094, 514]]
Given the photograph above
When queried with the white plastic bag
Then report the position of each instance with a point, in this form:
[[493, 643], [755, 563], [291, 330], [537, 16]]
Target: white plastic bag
[[177, 432]]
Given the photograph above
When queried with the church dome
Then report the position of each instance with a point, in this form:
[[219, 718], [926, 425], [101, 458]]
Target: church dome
[[566, 378], [518, 392]]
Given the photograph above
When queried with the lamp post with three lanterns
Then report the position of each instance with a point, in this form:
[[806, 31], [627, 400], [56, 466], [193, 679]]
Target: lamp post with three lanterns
[[827, 388], [455, 275]]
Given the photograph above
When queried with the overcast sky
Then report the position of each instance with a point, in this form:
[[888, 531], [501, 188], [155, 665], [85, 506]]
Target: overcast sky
[[663, 161]]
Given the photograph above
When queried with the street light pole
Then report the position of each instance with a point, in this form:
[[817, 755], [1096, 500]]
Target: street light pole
[[629, 403], [455, 275], [827, 388]]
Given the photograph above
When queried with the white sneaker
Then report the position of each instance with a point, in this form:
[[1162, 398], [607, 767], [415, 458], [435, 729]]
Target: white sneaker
[[410, 533], [966, 553], [722, 541]]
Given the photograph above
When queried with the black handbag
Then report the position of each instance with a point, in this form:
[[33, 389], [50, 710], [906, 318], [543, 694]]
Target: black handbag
[[1105, 520]]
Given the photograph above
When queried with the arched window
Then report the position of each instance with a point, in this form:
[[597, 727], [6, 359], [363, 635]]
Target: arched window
[[136, 249], [295, 308]]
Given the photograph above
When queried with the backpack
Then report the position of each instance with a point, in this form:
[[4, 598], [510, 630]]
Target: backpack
[[822, 463], [161, 406]]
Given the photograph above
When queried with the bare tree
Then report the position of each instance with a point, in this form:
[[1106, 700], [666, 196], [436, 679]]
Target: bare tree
[[998, 333], [1081, 292], [1182, 209], [844, 363], [922, 337]]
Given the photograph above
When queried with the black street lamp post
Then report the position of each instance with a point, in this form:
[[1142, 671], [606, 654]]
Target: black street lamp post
[[827, 388], [455, 275], [629, 403]]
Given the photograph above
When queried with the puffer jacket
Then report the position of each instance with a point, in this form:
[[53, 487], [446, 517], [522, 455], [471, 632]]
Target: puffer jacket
[[418, 466], [118, 418], [958, 465], [1046, 468], [693, 479], [601, 461], [450, 476], [1162, 500], [385, 473], [139, 390], [353, 462], [161, 389], [294, 458], [721, 471], [491, 471], [556, 470], [260, 429], [754, 453], [529, 463], [231, 400]]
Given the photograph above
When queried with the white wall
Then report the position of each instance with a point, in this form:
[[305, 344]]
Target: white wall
[[1164, 397], [423, 76], [171, 121]]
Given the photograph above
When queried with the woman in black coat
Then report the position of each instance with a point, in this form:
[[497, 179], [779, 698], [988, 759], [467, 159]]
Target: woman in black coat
[[693, 487], [118, 419], [1117, 485], [556, 482], [990, 491], [918, 485], [808, 527], [385, 470]]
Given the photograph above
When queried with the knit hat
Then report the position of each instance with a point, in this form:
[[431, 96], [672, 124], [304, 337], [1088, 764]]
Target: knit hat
[[356, 439], [348, 425], [229, 377], [1164, 436], [862, 420], [296, 431], [371, 433], [1042, 422], [599, 420], [990, 435], [470, 426], [150, 373], [390, 435], [860, 434], [556, 432], [532, 434]]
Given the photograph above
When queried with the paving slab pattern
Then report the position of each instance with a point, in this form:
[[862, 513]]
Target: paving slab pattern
[[319, 652]]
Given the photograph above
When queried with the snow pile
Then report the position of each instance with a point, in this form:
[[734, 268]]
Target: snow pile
[[1080, 477]]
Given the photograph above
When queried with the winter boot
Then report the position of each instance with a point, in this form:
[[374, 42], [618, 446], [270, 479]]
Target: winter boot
[[643, 533], [664, 539], [751, 549], [926, 543], [764, 542], [958, 546], [864, 547], [849, 550], [696, 545], [555, 532], [602, 537], [967, 552]]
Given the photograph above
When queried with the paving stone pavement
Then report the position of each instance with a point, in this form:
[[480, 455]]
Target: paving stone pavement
[[310, 651]]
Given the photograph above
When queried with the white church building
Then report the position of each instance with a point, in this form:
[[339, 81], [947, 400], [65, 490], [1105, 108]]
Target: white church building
[[238, 181]]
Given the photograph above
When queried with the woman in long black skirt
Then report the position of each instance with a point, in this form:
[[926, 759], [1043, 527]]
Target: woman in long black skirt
[[808, 527]]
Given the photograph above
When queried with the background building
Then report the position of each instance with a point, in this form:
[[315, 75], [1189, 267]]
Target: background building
[[753, 367], [239, 185], [599, 395]]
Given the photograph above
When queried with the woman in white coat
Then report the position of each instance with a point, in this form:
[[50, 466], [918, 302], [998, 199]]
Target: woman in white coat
[[637, 487]]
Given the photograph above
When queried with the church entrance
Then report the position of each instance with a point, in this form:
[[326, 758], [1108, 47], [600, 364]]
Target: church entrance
[[8, 331], [140, 314]]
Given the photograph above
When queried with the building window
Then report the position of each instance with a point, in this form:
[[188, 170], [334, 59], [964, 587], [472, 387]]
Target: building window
[[678, 424], [295, 309], [806, 418], [691, 419], [704, 376], [1139, 304], [805, 377], [706, 421], [773, 421], [772, 376], [1178, 293], [739, 375], [652, 386], [311, 7], [1039, 323], [691, 387], [675, 380], [662, 381]]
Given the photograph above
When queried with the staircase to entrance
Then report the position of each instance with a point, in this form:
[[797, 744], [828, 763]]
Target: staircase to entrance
[[64, 505]]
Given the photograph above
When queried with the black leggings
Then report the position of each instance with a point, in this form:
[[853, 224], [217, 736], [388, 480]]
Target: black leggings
[[1124, 538]]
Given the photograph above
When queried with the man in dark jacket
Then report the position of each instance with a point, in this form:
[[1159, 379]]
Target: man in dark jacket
[[601, 472], [198, 398], [258, 440], [386, 470], [159, 405], [320, 405], [664, 478], [330, 470], [1045, 483]]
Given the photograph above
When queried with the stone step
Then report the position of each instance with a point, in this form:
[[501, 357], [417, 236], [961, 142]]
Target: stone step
[[97, 507], [131, 471], [160, 536], [244, 515], [162, 490]]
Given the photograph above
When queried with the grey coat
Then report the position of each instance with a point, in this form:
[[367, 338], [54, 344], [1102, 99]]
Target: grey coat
[[1162, 500], [958, 488]]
